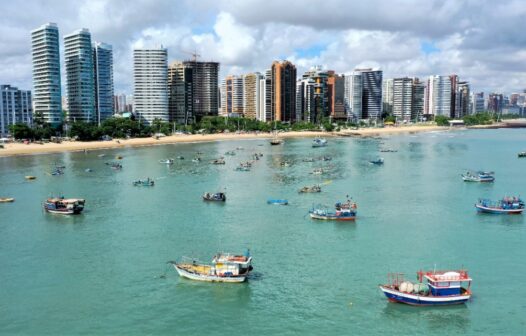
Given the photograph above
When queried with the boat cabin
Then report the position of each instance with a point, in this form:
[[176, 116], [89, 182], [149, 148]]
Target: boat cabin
[[446, 283]]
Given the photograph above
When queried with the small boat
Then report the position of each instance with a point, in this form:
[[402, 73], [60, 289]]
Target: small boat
[[167, 161], [118, 157], [227, 271], [326, 158], [276, 141], [101, 155], [239, 148], [57, 172], [507, 205], [278, 201], [479, 176], [198, 153], [180, 157], [285, 164], [116, 166], [388, 150], [215, 197], [343, 212], [318, 171], [60, 205], [242, 168], [434, 288], [219, 161], [312, 189], [60, 167], [522, 154], [319, 142], [30, 177], [230, 153], [378, 161], [144, 183], [308, 160], [6, 199], [196, 159], [88, 170]]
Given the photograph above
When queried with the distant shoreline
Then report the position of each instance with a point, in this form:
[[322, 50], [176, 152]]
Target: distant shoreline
[[19, 149]]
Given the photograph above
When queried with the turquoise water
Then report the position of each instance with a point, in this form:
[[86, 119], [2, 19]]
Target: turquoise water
[[101, 272]]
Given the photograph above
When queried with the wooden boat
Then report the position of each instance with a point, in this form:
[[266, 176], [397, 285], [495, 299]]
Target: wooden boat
[[244, 261], [226, 271], [167, 161], [434, 288], [144, 183], [30, 177], [312, 189], [276, 141], [479, 176], [319, 142], [118, 157], [278, 201], [522, 154], [378, 161], [343, 212], [507, 205], [60, 205], [6, 199], [214, 197], [219, 161]]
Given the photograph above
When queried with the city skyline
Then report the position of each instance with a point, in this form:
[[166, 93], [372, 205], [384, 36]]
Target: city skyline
[[436, 38]]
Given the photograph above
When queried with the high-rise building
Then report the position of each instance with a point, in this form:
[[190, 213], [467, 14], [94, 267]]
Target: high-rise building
[[439, 96], [180, 88], [46, 74], [282, 91], [417, 110], [371, 93], [15, 108], [305, 100], [80, 88], [150, 75], [462, 96], [387, 96], [477, 102], [261, 114], [119, 103], [103, 80], [336, 93], [402, 98], [232, 96], [495, 102], [205, 76], [454, 97], [320, 108], [252, 95], [353, 95], [268, 116]]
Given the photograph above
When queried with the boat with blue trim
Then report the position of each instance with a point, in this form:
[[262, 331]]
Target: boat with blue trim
[[434, 288], [480, 176], [64, 206], [378, 161], [144, 183], [507, 205], [319, 142], [343, 212], [214, 197], [278, 201]]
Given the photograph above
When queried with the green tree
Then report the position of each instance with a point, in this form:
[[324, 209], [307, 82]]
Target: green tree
[[21, 131], [441, 120]]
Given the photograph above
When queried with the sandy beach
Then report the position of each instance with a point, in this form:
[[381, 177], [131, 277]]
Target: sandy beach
[[12, 149]]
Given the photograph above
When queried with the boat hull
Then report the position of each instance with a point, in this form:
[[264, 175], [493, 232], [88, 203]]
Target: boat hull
[[496, 211], [208, 278], [64, 212], [419, 300], [331, 217]]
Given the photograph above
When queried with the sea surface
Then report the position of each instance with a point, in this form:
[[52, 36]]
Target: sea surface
[[105, 272]]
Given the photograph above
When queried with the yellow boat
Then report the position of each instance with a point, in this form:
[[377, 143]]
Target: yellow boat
[[6, 199], [29, 177]]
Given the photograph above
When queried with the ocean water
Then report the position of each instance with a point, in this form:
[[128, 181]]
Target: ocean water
[[105, 271]]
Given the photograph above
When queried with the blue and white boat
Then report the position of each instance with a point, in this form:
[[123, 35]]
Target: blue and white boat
[[434, 288], [507, 205], [480, 176], [278, 201], [378, 161], [319, 142], [343, 212]]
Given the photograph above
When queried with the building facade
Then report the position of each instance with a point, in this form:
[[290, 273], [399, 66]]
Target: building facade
[[371, 93], [387, 96], [439, 96], [180, 89], [282, 91], [305, 100], [80, 88], [46, 74], [477, 102], [495, 102], [402, 104], [232, 96], [252, 95], [353, 96], [417, 111], [103, 81], [150, 75], [205, 77], [15, 108], [462, 106], [336, 93]]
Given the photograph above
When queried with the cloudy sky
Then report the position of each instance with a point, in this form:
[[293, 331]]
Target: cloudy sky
[[483, 41]]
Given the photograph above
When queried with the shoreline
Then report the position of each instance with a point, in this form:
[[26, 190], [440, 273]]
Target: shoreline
[[20, 149]]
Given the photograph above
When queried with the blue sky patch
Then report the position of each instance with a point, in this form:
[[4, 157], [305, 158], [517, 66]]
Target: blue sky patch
[[428, 47]]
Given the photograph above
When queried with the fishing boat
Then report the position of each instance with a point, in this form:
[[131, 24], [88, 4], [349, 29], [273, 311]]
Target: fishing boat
[[196, 159], [343, 212], [230, 153], [115, 165], [522, 154], [278, 201], [88, 170], [310, 189], [219, 161], [239, 148], [285, 164], [30, 177], [57, 172], [326, 158], [378, 161], [167, 161], [180, 157], [507, 205], [244, 261], [308, 160], [388, 150], [6, 199], [434, 288], [318, 171], [215, 197], [276, 141], [242, 168], [148, 182], [479, 176], [226, 271], [319, 142], [118, 157], [61, 205], [101, 155]]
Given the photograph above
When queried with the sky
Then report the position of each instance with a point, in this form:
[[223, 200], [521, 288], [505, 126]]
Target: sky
[[482, 41]]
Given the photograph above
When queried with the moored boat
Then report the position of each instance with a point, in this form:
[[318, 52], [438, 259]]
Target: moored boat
[[507, 205], [378, 161], [224, 271], [278, 201], [479, 176], [219, 161], [30, 177], [167, 161], [6, 199], [276, 141], [61, 205], [434, 288], [215, 197], [196, 159], [311, 189], [343, 212], [230, 153], [244, 261], [522, 154], [319, 142], [242, 168], [148, 182]]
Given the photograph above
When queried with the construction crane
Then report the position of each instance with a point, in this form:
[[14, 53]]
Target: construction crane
[[194, 54]]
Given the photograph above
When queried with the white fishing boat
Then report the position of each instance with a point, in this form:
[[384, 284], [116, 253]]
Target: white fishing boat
[[167, 161], [319, 142], [225, 271]]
